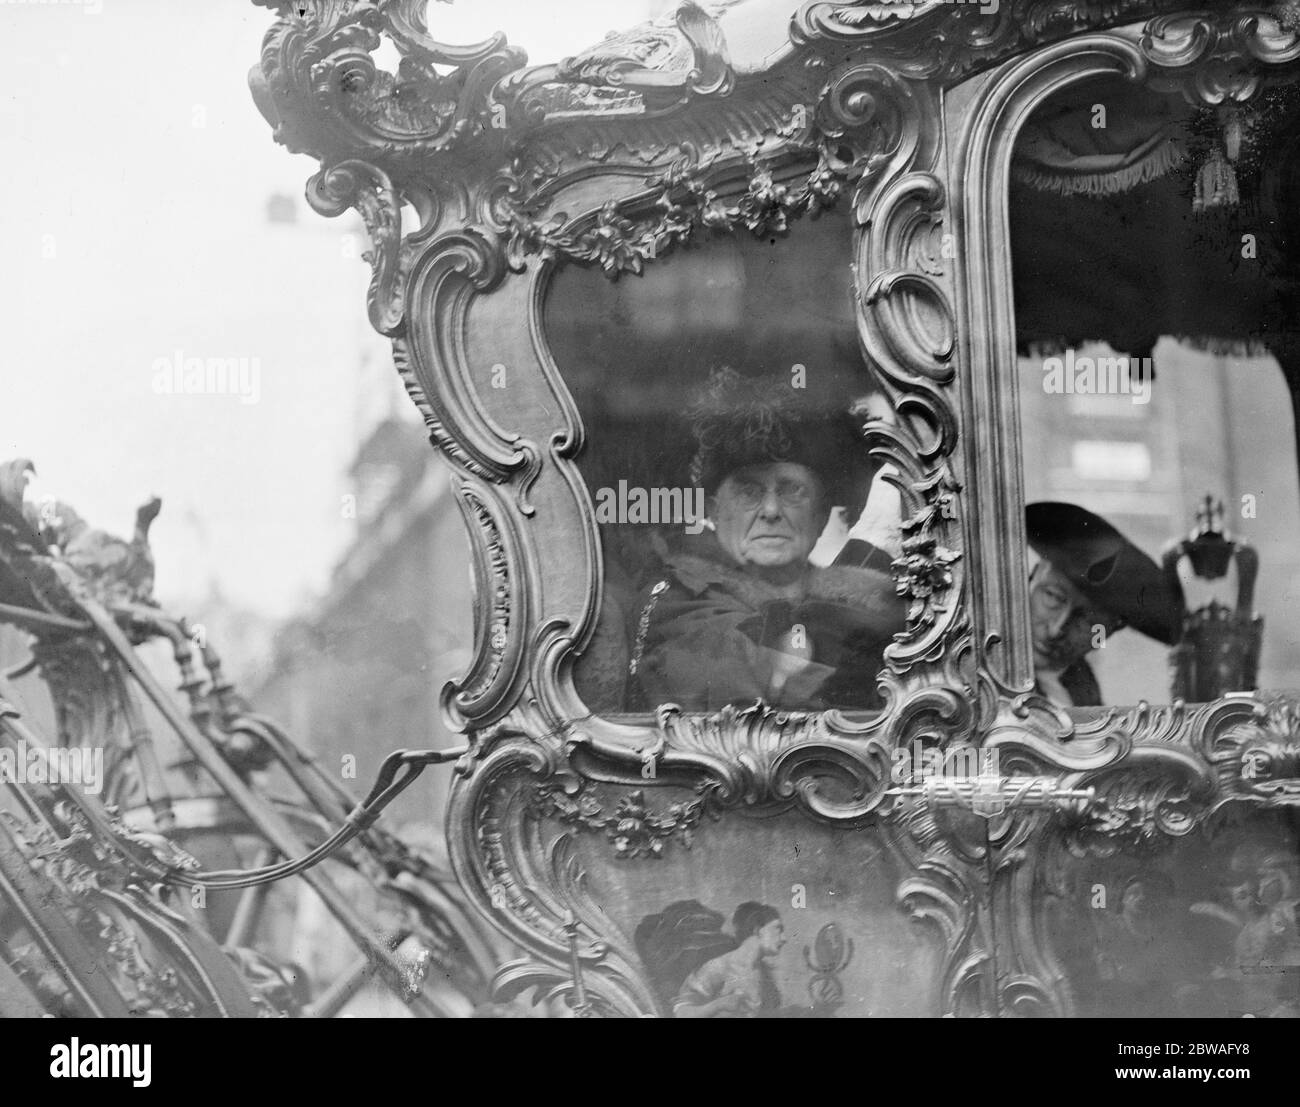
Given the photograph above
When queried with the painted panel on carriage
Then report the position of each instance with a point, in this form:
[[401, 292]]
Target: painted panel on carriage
[[747, 535], [1206, 928], [768, 918]]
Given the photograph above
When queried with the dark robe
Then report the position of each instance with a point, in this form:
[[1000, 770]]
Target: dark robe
[[709, 633], [1080, 682]]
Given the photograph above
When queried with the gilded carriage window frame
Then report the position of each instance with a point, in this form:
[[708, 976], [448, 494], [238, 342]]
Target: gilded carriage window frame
[[1209, 59]]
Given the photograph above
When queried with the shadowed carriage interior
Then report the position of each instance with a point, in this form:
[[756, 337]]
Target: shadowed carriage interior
[[774, 316]]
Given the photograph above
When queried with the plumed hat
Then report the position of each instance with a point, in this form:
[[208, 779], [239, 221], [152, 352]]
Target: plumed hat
[[739, 421], [1106, 567]]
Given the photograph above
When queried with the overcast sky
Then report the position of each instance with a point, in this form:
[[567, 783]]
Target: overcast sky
[[134, 229]]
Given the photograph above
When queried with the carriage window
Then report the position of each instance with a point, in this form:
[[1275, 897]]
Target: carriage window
[[746, 541], [1155, 268]]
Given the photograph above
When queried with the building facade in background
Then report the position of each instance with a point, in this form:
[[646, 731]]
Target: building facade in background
[[360, 673], [1213, 425]]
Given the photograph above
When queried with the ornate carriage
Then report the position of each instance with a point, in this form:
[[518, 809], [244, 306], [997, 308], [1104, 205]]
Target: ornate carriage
[[106, 907], [890, 207], [560, 252]]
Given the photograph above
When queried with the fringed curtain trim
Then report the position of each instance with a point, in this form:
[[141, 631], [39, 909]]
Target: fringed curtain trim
[[1218, 345], [1044, 163]]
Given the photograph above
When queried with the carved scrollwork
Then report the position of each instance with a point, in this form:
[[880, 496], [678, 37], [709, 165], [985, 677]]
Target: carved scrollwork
[[849, 22], [1161, 772], [941, 897], [1129, 781], [663, 62], [876, 112], [923, 574], [532, 885], [502, 612], [1213, 57], [321, 90], [930, 39], [640, 74], [1132, 782], [832, 767], [439, 288], [756, 732], [95, 707], [1159, 775], [356, 184], [913, 330], [907, 328], [1254, 748], [531, 802], [142, 956], [1156, 794], [866, 118]]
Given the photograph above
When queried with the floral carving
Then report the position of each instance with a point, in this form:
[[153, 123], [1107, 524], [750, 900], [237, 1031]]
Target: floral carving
[[1132, 813], [615, 243], [620, 243], [634, 829], [923, 573]]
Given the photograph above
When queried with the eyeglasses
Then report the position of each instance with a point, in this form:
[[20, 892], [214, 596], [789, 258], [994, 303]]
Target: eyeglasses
[[749, 494]]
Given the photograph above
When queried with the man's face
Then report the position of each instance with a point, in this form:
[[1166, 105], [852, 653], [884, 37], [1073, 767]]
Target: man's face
[[1063, 620], [770, 516], [771, 938]]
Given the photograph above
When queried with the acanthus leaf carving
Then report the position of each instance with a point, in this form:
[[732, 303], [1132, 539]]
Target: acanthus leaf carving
[[319, 87], [662, 62], [1254, 746], [357, 184], [1216, 57], [931, 39]]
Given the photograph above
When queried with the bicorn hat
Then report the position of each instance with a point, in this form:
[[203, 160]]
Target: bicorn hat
[[1106, 567], [738, 421]]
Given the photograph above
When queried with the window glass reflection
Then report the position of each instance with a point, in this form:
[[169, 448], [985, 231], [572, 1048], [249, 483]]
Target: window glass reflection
[[1156, 285], [1112, 487], [747, 537]]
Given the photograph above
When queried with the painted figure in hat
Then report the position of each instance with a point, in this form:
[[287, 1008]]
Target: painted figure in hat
[[1091, 581], [738, 613], [738, 984]]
